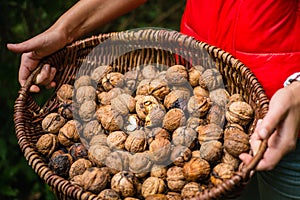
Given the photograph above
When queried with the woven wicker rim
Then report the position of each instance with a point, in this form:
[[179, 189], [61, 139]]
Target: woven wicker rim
[[63, 188]]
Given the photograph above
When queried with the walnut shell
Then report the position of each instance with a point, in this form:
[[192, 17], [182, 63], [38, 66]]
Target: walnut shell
[[60, 163], [216, 115], [173, 119], [136, 141], [100, 139], [77, 151], [140, 164], [97, 154], [221, 172], [156, 132], [190, 190], [198, 106], [125, 183], [105, 98], [184, 136], [112, 79], [211, 151], [83, 80], [65, 92], [116, 140], [194, 74], [239, 112], [118, 161], [123, 103], [173, 196], [109, 118], [231, 160], [87, 110], [236, 141], [176, 99], [109, 194], [149, 71], [175, 178], [209, 132], [200, 92], [79, 167], [155, 116], [132, 79], [219, 96], [180, 154], [197, 169], [156, 197], [66, 109], [132, 123], [144, 104], [85, 93], [47, 144], [160, 150], [69, 133], [91, 129], [159, 171], [211, 79], [159, 89], [99, 72], [153, 185], [53, 122], [177, 75]]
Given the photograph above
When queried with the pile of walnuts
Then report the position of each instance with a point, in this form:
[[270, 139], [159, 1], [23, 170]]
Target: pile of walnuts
[[146, 134]]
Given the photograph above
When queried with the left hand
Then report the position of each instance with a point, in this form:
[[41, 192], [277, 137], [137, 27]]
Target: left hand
[[281, 126]]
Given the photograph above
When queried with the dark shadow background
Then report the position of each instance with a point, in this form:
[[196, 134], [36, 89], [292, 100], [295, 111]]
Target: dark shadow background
[[23, 19]]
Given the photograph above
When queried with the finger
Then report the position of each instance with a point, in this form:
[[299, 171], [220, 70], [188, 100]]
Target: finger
[[42, 77], [52, 84], [27, 66], [245, 158], [34, 89], [26, 46]]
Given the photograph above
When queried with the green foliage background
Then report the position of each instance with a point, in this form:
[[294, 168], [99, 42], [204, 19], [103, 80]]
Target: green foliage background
[[23, 19]]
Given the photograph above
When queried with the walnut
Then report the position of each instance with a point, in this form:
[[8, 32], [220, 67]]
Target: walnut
[[140, 164], [136, 141], [109, 194], [239, 112], [190, 190], [60, 163], [79, 167], [118, 161], [198, 106], [143, 88], [94, 179], [47, 144], [132, 123], [113, 79], [123, 103], [155, 116], [53, 122], [196, 154], [65, 109], [209, 132], [83, 80], [100, 139], [173, 196], [211, 79], [159, 89], [144, 104], [156, 132], [125, 183], [180, 154], [176, 99], [109, 118], [221, 172], [173, 119], [197, 169], [184, 136], [87, 110], [216, 115], [211, 151], [231, 160], [65, 92], [116, 140], [159, 171], [85, 93], [235, 97], [177, 75], [105, 98], [194, 74], [175, 178], [153, 185], [132, 78], [149, 71], [99, 72], [97, 154], [69, 133], [156, 197], [219, 96], [92, 128], [236, 141], [160, 150], [200, 92], [78, 150], [194, 122]]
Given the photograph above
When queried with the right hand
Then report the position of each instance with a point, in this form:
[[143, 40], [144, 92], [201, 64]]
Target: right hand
[[33, 50]]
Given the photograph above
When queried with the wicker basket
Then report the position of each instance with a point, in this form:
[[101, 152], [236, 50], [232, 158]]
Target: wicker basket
[[163, 47]]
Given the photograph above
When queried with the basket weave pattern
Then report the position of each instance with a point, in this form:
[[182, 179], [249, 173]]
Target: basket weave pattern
[[236, 76]]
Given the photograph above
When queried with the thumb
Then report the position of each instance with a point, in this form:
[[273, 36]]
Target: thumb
[[26, 46]]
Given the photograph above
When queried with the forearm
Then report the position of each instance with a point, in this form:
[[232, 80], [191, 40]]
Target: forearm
[[87, 15]]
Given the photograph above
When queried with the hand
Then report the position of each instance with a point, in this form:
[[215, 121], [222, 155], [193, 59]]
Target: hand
[[280, 125], [33, 51]]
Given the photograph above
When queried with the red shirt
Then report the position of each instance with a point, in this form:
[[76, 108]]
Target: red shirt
[[264, 35]]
